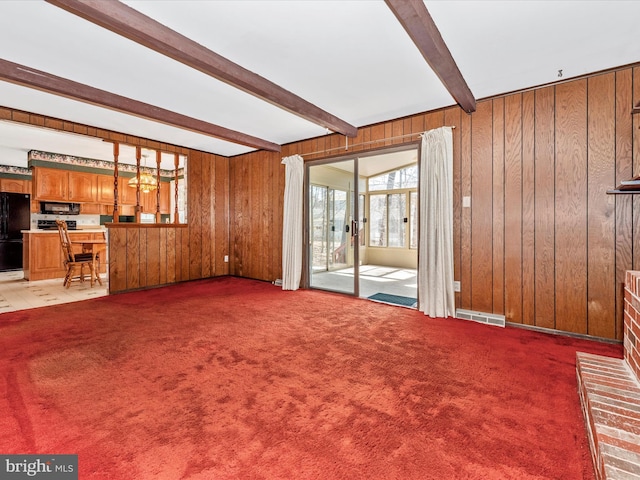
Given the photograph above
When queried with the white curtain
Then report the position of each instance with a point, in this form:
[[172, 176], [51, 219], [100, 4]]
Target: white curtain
[[435, 250], [292, 224]]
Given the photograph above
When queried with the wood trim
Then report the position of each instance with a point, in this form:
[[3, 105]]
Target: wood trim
[[124, 20], [32, 78], [415, 19], [132, 226]]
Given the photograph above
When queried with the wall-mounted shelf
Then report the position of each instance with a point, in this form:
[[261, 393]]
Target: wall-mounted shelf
[[626, 187]]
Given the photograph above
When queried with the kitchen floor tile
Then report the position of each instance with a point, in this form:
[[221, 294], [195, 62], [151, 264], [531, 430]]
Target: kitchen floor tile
[[16, 293]]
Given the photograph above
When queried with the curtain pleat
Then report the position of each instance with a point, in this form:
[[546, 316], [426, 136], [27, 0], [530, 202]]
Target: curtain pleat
[[292, 222], [435, 248]]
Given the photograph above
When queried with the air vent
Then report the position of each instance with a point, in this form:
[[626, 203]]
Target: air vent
[[488, 318]]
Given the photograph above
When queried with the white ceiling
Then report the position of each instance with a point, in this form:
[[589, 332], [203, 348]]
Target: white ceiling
[[349, 57]]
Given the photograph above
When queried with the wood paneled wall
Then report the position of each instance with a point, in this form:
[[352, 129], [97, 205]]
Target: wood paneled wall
[[542, 242], [144, 256], [256, 215], [208, 214]]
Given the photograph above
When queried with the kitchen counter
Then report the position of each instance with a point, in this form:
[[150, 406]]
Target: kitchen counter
[[42, 256], [78, 230]]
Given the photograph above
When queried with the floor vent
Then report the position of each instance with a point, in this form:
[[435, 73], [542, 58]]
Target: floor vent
[[488, 318]]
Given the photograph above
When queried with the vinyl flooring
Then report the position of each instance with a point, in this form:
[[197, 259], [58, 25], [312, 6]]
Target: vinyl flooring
[[16, 293]]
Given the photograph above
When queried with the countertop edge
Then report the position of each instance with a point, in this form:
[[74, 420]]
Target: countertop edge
[[79, 230]]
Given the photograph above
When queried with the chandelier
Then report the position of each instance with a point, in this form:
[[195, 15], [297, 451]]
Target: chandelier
[[148, 182]]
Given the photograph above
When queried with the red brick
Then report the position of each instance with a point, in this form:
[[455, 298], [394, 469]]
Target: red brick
[[610, 399]]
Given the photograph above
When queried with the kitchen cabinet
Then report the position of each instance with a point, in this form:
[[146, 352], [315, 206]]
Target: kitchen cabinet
[[105, 188], [42, 256], [126, 193], [165, 198], [94, 189], [83, 187], [127, 210], [149, 200], [90, 209], [51, 184], [14, 185], [64, 185]]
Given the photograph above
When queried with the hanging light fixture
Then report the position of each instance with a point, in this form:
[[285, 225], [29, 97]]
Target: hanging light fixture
[[148, 182]]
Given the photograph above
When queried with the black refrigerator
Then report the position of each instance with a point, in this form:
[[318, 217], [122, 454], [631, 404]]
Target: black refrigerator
[[15, 215]]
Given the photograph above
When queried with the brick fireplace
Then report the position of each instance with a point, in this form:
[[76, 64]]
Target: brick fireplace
[[610, 395], [632, 322]]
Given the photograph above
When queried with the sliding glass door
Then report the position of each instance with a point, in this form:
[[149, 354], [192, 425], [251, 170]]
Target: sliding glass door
[[333, 232], [361, 229]]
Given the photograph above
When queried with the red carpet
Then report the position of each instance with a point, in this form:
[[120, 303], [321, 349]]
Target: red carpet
[[235, 379]]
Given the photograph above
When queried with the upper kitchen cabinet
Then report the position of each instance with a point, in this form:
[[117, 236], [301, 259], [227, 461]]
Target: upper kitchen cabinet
[[165, 198], [127, 194], [50, 184], [15, 185], [105, 189], [149, 200], [83, 187], [64, 185]]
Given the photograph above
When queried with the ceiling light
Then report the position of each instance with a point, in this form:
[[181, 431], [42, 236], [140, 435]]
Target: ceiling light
[[148, 182]]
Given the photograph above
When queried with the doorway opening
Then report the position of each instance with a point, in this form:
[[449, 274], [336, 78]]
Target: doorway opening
[[362, 225]]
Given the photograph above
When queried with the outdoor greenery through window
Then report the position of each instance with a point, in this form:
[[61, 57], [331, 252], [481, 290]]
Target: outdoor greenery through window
[[393, 208]]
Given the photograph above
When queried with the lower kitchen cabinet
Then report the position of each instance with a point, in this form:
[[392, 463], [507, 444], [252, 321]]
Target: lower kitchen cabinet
[[42, 257]]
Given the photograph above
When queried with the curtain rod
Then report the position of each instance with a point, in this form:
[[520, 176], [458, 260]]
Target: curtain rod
[[347, 146]]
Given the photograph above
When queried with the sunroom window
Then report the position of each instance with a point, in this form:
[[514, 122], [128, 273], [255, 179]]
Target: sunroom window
[[393, 208]]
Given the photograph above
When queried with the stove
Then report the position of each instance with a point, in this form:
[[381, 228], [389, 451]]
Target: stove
[[51, 225]]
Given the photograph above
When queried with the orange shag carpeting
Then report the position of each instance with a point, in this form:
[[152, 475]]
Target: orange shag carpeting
[[235, 379]]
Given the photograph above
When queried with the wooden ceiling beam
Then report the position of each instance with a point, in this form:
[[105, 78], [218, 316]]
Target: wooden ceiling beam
[[417, 21], [32, 78], [130, 23]]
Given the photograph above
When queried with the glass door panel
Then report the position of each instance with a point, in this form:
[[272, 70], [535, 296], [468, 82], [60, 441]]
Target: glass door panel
[[331, 227], [318, 226], [413, 220], [339, 236], [361, 221]]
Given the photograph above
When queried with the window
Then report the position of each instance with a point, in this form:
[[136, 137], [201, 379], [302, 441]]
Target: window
[[397, 215], [393, 209], [397, 180], [378, 220]]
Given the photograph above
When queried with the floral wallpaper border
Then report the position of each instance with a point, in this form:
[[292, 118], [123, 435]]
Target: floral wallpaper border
[[93, 163], [13, 170]]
